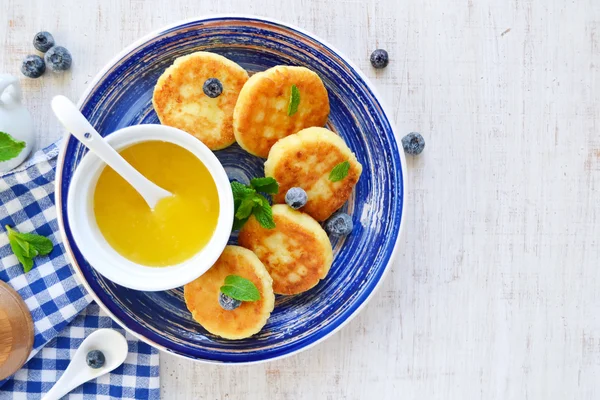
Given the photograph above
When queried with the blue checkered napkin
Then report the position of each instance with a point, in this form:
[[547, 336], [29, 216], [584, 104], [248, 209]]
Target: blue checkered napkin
[[51, 291], [137, 378]]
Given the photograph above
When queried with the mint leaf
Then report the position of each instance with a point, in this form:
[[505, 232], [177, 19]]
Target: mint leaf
[[245, 208], [240, 190], [18, 251], [26, 246], [261, 200], [9, 147], [294, 101], [339, 172], [266, 185], [27, 263], [248, 202], [28, 251], [264, 215], [240, 288], [41, 243], [238, 223]]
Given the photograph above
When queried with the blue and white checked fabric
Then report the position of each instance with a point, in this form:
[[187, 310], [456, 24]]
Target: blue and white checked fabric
[[59, 305], [137, 378]]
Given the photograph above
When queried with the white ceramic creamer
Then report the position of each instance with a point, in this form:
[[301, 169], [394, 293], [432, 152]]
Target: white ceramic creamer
[[14, 119]]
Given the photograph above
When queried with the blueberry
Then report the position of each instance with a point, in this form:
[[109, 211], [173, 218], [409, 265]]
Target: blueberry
[[213, 87], [33, 66], [380, 59], [95, 359], [413, 143], [339, 224], [228, 303], [58, 59], [296, 198], [42, 41]]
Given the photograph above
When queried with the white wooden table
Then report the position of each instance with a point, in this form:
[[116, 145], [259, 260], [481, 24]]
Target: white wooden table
[[496, 291]]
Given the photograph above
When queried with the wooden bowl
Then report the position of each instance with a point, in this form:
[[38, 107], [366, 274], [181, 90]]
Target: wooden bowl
[[16, 331]]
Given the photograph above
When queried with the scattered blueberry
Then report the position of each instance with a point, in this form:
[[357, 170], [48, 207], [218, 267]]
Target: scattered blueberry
[[296, 198], [95, 359], [212, 87], [380, 58], [228, 303], [413, 143], [33, 66], [58, 59], [339, 224], [43, 41]]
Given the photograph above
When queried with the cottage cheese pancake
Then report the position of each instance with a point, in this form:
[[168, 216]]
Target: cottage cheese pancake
[[261, 115], [202, 296], [297, 252], [180, 100], [305, 160]]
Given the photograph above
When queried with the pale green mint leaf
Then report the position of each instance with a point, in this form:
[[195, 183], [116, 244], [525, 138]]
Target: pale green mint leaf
[[240, 288], [33, 252], [264, 215], [26, 246], [9, 147], [266, 185], [27, 264], [339, 172], [41, 243], [28, 250], [18, 252], [294, 101]]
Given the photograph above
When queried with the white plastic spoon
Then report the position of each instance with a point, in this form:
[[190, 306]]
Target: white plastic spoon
[[69, 116], [109, 342]]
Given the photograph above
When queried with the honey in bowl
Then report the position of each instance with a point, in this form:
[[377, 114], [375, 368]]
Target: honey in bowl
[[178, 227]]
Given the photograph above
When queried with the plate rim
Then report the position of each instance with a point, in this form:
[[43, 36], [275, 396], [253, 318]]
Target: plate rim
[[153, 34]]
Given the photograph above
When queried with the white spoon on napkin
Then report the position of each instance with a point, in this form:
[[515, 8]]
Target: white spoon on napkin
[[109, 342]]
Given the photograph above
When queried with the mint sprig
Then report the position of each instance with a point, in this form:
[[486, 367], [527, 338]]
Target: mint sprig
[[266, 185], [27, 246], [264, 213], [294, 101], [10, 147], [240, 288], [339, 172], [248, 201]]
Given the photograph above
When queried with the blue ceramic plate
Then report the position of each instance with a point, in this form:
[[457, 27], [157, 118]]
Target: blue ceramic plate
[[121, 95]]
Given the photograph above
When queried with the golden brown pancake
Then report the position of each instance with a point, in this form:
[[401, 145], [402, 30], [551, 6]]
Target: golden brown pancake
[[297, 252], [261, 116], [305, 160], [202, 296], [179, 100]]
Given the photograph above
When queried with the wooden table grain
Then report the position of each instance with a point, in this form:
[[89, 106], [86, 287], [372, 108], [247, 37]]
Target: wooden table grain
[[495, 293]]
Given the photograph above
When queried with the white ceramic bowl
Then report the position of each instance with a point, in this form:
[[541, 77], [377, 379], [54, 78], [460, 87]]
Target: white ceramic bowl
[[103, 257]]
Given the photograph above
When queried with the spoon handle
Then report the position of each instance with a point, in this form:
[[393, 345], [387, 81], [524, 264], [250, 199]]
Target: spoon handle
[[72, 119]]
